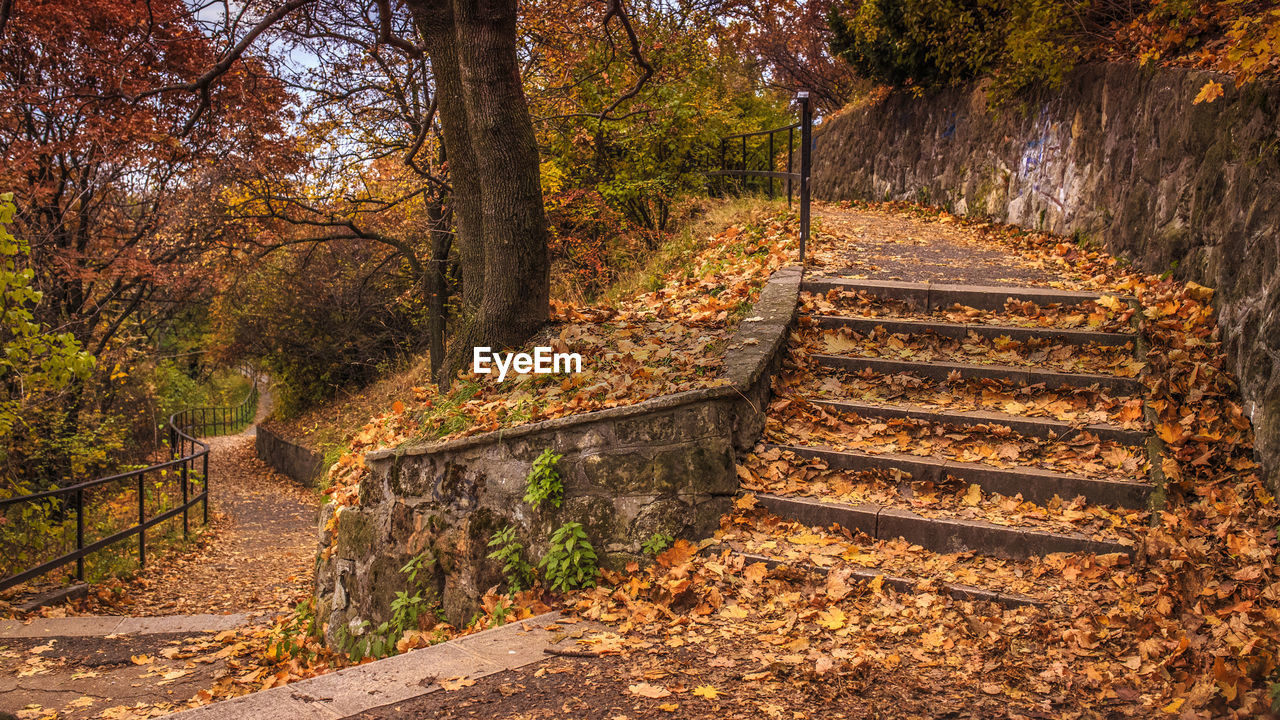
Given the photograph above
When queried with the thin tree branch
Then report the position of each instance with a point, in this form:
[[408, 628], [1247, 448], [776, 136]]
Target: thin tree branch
[[617, 10], [203, 83]]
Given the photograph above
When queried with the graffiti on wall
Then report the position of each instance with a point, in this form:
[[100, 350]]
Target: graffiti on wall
[[1044, 166]]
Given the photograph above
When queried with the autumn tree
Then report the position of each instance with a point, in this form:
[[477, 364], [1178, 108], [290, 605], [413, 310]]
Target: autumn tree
[[488, 140], [109, 191], [791, 39], [644, 156], [371, 167]]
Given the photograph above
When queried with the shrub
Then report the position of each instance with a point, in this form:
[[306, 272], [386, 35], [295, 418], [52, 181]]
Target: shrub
[[320, 319], [656, 543], [930, 43], [582, 226], [510, 552]]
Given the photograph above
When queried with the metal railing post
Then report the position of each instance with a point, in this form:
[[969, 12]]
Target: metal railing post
[[791, 146], [723, 163], [806, 141], [184, 500], [79, 533], [205, 458], [142, 519], [744, 162], [769, 165]]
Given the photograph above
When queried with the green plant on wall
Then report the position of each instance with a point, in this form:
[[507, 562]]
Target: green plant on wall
[[543, 484], [570, 562], [656, 543], [406, 612], [510, 553]]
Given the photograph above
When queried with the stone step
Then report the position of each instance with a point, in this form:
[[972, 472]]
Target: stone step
[[1034, 484], [938, 370], [960, 331], [937, 534], [958, 591], [935, 296], [105, 625], [352, 690], [1026, 426]]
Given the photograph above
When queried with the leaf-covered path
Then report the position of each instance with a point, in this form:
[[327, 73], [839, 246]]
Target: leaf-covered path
[[261, 556], [258, 558]]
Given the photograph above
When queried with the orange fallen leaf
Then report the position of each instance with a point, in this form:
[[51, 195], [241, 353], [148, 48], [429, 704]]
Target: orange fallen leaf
[[456, 683]]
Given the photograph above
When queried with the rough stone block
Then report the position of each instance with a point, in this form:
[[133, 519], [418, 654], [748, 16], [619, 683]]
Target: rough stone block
[[355, 533]]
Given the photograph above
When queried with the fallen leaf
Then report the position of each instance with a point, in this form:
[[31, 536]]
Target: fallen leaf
[[1209, 92], [648, 691], [456, 683], [707, 692]]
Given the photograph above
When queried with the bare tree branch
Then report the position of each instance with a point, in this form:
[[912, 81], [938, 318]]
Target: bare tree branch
[[204, 83], [617, 10], [386, 37]]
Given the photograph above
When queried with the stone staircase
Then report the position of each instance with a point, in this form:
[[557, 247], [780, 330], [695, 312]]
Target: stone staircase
[[925, 425]]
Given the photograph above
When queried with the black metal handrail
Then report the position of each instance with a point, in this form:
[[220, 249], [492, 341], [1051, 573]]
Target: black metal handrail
[[771, 152], [186, 450]]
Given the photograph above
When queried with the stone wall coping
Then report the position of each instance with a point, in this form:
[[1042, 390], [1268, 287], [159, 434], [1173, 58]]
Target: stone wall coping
[[754, 343]]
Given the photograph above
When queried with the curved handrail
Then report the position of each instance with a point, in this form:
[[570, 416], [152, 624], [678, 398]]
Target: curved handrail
[[792, 176], [186, 449]]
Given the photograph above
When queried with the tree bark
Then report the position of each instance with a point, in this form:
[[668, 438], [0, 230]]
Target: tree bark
[[437, 282], [435, 22], [517, 268], [493, 167]]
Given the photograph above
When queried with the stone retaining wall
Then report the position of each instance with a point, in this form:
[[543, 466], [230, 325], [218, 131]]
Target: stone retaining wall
[[292, 459], [1118, 154], [664, 465]]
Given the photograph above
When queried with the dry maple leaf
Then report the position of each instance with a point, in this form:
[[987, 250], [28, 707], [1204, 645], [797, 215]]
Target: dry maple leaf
[[648, 691], [832, 619], [756, 572], [707, 692], [1209, 92], [456, 683]]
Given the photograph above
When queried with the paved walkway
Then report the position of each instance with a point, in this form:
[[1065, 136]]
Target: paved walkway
[[261, 558], [884, 246], [452, 665], [104, 625]]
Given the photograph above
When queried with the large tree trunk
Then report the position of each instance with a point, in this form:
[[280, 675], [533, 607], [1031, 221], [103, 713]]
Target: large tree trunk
[[437, 282], [504, 153], [434, 19]]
